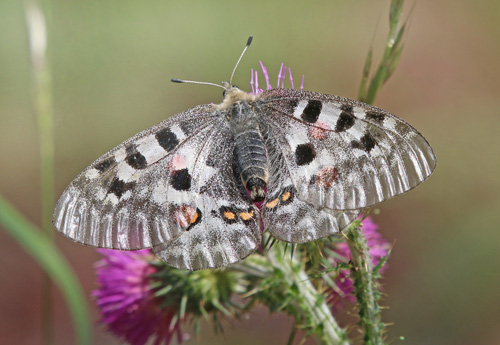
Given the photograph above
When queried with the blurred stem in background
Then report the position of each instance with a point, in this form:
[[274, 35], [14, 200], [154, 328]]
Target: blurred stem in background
[[43, 106], [39, 243], [42, 102], [35, 242]]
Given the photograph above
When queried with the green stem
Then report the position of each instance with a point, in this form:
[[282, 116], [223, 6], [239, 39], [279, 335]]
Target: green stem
[[46, 254], [392, 52], [310, 302], [365, 287], [291, 337]]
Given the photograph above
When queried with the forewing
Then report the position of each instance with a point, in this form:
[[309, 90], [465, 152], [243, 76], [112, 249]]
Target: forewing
[[227, 225], [343, 154], [111, 203], [284, 214]]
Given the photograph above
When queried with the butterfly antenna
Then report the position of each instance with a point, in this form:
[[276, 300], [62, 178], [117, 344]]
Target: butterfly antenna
[[238, 62], [180, 81]]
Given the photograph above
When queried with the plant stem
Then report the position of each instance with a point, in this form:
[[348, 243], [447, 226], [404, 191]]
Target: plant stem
[[310, 302], [365, 287], [42, 101]]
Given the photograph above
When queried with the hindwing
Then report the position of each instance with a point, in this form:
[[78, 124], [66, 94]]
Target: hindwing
[[286, 216]]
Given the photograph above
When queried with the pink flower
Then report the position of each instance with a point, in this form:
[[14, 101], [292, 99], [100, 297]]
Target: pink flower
[[254, 79], [379, 248], [126, 299]]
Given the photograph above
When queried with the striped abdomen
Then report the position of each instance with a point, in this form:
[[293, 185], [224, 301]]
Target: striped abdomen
[[250, 153], [251, 157]]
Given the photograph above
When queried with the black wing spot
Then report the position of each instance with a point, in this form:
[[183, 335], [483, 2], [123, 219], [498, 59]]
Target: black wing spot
[[293, 104], [304, 154], [367, 143], [119, 187], [181, 179], [167, 139], [105, 164], [375, 116], [136, 160], [311, 111], [345, 121]]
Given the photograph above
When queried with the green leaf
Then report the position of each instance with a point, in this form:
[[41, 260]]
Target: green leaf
[[37, 244]]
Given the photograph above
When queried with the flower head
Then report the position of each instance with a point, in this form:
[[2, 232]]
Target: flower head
[[379, 247], [254, 79], [127, 302]]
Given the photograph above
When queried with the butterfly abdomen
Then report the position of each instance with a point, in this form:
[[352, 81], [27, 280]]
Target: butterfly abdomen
[[250, 153]]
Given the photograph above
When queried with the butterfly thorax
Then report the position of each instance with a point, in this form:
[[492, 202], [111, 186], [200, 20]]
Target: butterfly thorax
[[250, 154]]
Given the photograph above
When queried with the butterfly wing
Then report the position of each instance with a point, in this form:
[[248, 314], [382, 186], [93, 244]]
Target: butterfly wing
[[165, 188], [109, 204], [284, 214], [344, 154]]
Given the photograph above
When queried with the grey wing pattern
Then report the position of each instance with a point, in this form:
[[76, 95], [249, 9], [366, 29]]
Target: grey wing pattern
[[227, 225], [286, 216], [109, 204], [344, 154]]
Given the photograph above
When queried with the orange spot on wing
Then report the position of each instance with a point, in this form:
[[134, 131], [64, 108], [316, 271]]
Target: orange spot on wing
[[272, 203], [286, 196], [195, 217], [229, 215], [246, 215]]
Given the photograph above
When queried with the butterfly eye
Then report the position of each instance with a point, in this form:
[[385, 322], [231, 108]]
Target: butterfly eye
[[226, 90]]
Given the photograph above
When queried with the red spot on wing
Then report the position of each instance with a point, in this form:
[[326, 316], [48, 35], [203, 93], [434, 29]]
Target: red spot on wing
[[326, 177], [183, 215], [177, 163], [319, 130]]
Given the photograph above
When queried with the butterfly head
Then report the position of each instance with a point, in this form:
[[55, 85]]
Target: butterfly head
[[233, 95]]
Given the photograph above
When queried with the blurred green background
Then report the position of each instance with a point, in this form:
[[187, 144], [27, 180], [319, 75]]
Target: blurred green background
[[113, 60]]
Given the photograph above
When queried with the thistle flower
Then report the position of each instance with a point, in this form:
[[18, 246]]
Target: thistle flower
[[379, 247], [127, 300], [143, 299], [254, 79]]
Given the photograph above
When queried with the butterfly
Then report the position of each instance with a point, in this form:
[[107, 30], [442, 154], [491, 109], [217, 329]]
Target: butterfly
[[200, 187]]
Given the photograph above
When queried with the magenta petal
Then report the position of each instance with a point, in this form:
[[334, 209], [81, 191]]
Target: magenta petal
[[379, 247], [126, 301]]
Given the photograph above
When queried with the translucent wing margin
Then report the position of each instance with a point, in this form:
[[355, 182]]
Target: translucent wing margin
[[344, 154]]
